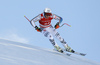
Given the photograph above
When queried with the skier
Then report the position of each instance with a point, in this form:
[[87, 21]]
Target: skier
[[48, 30]]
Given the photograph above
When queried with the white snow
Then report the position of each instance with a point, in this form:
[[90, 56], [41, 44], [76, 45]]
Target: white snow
[[15, 53]]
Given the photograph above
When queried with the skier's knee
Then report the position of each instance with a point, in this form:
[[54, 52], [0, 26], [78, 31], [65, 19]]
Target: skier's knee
[[63, 41], [52, 41]]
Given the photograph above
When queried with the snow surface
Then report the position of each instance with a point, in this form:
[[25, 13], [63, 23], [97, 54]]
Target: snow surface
[[15, 53]]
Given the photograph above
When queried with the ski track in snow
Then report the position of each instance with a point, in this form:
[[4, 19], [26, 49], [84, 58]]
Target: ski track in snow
[[15, 53]]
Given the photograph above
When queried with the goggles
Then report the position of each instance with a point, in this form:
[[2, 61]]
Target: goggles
[[47, 14]]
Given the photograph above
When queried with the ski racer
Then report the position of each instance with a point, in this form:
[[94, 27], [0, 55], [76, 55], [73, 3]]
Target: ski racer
[[46, 28]]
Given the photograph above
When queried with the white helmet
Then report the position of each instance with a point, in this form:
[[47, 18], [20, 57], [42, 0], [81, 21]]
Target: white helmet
[[47, 10]]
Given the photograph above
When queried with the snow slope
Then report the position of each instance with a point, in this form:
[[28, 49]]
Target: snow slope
[[15, 53]]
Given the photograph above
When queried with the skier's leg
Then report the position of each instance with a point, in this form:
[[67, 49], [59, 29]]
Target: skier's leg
[[57, 35], [51, 39]]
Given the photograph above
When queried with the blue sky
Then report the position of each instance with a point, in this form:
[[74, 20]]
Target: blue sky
[[82, 15]]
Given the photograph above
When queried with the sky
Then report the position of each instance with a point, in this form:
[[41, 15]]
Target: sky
[[82, 15]]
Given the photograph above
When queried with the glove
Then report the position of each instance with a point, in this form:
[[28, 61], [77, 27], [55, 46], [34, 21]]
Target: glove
[[38, 29], [57, 25]]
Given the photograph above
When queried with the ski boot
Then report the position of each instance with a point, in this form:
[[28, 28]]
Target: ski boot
[[67, 48], [58, 49]]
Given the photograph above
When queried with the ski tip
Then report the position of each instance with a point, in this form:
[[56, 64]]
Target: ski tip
[[82, 54], [24, 15]]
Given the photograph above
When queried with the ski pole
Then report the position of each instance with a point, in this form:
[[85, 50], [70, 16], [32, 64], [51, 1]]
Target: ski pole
[[60, 26], [26, 18], [65, 24]]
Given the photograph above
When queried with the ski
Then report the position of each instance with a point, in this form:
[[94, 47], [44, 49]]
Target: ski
[[78, 53], [63, 52]]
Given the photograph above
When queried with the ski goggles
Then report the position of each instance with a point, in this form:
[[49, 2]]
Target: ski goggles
[[47, 14]]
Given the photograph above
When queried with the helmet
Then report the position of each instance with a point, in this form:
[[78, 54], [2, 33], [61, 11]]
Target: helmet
[[47, 10]]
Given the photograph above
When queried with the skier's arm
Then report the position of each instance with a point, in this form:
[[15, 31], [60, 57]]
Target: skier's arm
[[57, 18], [37, 18]]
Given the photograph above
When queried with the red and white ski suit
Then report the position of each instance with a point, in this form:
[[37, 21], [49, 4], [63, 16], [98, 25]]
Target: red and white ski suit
[[47, 28]]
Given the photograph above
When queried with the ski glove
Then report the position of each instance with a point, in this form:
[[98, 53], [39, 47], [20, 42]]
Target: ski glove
[[57, 25], [38, 29]]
